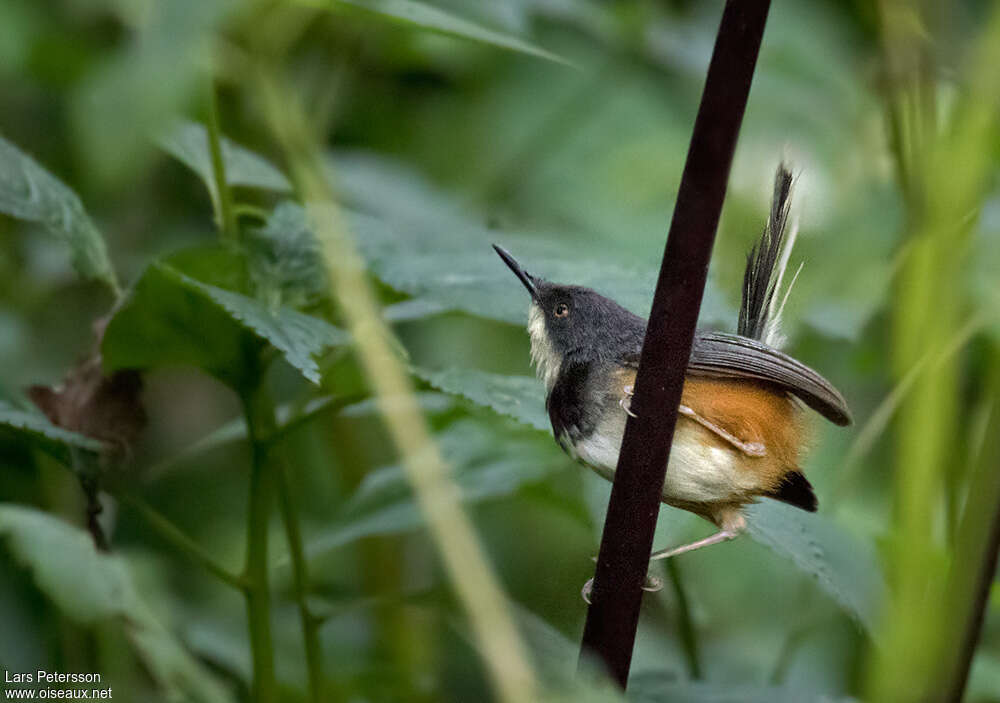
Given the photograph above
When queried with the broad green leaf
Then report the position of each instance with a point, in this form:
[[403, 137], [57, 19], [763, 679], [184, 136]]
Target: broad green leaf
[[384, 503], [90, 587], [173, 319], [653, 687], [419, 241], [426, 16], [36, 429], [298, 336], [844, 566], [188, 143], [29, 192], [518, 397], [167, 320]]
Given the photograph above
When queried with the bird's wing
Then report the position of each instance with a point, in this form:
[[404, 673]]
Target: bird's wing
[[721, 355]]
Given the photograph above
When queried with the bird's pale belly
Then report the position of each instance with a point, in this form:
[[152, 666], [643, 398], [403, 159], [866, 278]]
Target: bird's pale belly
[[700, 471]]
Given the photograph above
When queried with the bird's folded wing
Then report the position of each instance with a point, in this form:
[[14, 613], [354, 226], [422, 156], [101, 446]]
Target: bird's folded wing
[[722, 355]]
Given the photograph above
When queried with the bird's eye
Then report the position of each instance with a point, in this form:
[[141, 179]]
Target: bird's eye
[[562, 310]]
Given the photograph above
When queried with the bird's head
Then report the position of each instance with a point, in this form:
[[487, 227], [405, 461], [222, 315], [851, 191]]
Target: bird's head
[[573, 323]]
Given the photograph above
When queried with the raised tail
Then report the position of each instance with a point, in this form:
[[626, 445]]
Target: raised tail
[[760, 309]]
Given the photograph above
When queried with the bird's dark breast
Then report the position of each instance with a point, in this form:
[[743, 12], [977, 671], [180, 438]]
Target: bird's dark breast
[[573, 418]]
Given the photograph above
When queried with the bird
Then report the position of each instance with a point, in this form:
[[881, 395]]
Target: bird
[[742, 426]]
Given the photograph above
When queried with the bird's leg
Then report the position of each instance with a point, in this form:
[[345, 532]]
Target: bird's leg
[[720, 536], [729, 519], [755, 449], [732, 524]]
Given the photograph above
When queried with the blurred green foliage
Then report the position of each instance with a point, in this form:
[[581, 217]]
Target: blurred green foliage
[[557, 128]]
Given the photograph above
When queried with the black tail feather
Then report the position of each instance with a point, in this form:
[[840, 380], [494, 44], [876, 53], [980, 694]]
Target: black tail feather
[[796, 490], [760, 280]]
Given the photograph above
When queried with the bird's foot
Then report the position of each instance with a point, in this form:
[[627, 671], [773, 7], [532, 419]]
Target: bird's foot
[[626, 402], [652, 584]]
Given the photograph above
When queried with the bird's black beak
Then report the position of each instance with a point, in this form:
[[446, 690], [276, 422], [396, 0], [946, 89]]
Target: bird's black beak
[[527, 280]]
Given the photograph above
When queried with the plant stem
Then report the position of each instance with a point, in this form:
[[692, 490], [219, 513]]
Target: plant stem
[[300, 578], [260, 424], [976, 550], [225, 215], [504, 653], [169, 532], [685, 624], [627, 539], [91, 490]]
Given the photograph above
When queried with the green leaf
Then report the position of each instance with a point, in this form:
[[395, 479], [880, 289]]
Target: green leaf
[[29, 192], [653, 687], [384, 503], [188, 143], [286, 265], [426, 16], [90, 587], [167, 320], [36, 429], [419, 241], [518, 397], [173, 319], [298, 336], [844, 566]]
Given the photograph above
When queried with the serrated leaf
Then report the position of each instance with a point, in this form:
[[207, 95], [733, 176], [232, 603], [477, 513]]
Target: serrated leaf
[[843, 565], [90, 587], [426, 16], [188, 143], [518, 397], [286, 265], [29, 192], [172, 319], [298, 336], [384, 502], [35, 429]]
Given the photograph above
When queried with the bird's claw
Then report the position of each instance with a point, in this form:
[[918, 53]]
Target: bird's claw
[[622, 401], [652, 584]]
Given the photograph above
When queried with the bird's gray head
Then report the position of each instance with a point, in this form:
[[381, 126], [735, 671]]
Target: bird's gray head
[[574, 323]]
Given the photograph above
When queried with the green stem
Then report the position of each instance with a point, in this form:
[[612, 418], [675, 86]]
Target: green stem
[[225, 214], [169, 532], [259, 413], [300, 577], [685, 623]]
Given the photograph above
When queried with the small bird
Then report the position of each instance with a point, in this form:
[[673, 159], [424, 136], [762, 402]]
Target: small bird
[[741, 429]]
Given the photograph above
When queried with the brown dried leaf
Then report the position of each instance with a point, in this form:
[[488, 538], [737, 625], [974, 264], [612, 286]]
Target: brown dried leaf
[[107, 408]]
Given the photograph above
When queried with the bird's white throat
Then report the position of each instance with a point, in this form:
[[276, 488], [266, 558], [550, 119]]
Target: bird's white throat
[[543, 354]]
